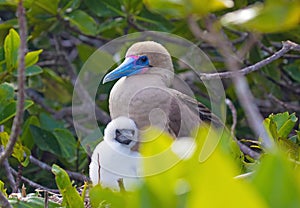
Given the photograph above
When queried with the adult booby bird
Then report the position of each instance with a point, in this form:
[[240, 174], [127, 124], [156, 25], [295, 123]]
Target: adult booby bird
[[113, 158], [144, 92]]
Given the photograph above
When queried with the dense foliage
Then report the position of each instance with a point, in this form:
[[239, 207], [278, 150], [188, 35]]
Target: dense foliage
[[62, 34]]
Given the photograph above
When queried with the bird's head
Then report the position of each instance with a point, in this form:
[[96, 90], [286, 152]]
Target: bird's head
[[121, 130], [146, 57]]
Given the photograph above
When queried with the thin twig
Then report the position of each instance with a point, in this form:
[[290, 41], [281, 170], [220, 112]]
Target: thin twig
[[9, 176], [34, 184], [121, 185], [285, 105], [16, 127], [286, 47], [44, 166], [244, 148], [234, 115]]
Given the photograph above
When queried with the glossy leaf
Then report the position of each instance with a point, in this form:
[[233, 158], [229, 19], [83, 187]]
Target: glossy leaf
[[71, 197], [11, 47], [67, 143], [9, 110], [31, 71], [48, 7], [105, 8], [27, 137], [45, 140], [49, 123], [32, 57], [84, 22]]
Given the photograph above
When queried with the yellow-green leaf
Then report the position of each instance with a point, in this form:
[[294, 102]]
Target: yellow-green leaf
[[276, 181], [11, 47], [273, 16], [20, 152], [32, 57]]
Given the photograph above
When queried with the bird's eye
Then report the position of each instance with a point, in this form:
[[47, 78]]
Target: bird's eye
[[143, 59]]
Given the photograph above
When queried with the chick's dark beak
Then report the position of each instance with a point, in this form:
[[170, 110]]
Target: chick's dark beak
[[124, 136]]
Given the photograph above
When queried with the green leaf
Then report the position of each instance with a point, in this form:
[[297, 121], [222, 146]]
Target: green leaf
[[27, 137], [101, 197], [67, 143], [183, 8], [11, 47], [215, 177], [44, 6], [71, 197], [6, 93], [49, 123], [2, 188], [84, 22], [294, 70], [85, 51], [273, 16], [276, 182], [57, 88], [281, 124], [31, 71], [9, 110], [20, 152], [288, 126], [32, 201], [32, 57], [45, 140], [105, 8]]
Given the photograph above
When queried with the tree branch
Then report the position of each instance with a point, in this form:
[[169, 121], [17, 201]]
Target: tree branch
[[286, 47], [223, 45], [3, 201], [33, 184], [44, 166], [16, 127]]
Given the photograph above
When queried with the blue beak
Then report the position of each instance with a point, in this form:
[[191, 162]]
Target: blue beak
[[130, 66]]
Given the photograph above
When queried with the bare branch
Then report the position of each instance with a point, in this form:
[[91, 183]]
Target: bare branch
[[234, 115], [284, 104], [16, 127], [217, 39], [34, 184], [44, 166], [248, 151], [3, 201], [9, 176], [286, 47]]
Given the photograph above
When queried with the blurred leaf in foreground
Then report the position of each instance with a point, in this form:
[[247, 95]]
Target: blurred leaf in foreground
[[273, 16]]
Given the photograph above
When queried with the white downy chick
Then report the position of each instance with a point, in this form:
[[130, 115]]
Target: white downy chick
[[113, 158]]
